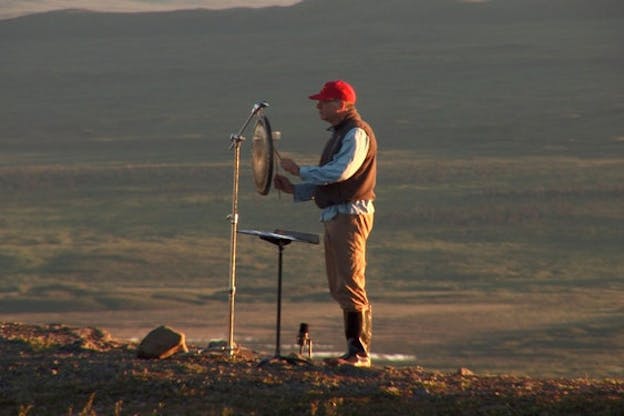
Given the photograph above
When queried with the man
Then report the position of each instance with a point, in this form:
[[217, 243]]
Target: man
[[342, 185]]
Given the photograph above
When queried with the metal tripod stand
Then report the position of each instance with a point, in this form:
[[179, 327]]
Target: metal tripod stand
[[236, 140]]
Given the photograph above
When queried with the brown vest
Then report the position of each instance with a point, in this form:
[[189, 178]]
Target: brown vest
[[360, 186]]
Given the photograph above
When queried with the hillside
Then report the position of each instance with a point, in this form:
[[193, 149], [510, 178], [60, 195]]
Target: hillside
[[499, 222], [62, 370], [456, 73]]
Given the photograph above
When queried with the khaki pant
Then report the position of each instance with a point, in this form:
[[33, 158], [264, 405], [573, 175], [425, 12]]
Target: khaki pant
[[345, 259]]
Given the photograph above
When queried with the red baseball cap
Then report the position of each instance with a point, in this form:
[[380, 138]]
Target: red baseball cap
[[336, 90]]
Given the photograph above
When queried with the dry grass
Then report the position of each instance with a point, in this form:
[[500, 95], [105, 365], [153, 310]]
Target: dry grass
[[60, 370]]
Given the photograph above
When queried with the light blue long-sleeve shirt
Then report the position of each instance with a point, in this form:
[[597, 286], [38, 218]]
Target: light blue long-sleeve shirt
[[343, 165]]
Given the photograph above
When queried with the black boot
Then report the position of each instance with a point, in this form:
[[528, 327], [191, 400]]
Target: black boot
[[358, 332]]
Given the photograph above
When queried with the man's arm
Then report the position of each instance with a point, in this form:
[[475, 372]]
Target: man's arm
[[344, 163], [303, 192]]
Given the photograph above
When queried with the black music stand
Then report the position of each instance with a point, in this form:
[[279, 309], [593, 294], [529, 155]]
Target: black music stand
[[281, 239]]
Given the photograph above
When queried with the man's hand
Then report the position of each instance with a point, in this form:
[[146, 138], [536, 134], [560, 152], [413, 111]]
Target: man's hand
[[290, 166], [283, 184]]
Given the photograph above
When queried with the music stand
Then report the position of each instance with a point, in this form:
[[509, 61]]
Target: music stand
[[281, 239]]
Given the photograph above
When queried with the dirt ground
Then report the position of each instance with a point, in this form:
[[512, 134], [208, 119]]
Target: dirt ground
[[57, 369], [524, 337]]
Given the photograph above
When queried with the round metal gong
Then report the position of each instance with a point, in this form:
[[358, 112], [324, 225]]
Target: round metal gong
[[262, 155]]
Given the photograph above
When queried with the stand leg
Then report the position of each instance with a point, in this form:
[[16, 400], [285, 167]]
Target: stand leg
[[278, 326], [233, 234]]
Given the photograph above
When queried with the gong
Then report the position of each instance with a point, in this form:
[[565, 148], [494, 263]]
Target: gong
[[262, 155]]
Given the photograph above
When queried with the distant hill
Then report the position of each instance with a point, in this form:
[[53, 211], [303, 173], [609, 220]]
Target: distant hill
[[16, 8], [498, 228], [331, 12], [429, 69]]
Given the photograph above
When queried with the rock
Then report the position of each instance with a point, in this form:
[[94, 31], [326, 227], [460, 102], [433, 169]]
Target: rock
[[162, 342], [464, 372], [94, 339], [218, 345]]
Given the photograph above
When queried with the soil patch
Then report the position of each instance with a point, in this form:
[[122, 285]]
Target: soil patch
[[57, 369]]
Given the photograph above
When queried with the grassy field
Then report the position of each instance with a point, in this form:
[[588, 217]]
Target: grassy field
[[499, 233], [543, 253]]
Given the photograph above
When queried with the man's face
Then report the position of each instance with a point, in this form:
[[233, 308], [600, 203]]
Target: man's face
[[330, 111]]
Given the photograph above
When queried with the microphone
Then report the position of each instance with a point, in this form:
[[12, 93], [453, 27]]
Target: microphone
[[303, 339]]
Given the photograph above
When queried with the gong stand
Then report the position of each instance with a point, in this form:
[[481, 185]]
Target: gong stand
[[236, 140]]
